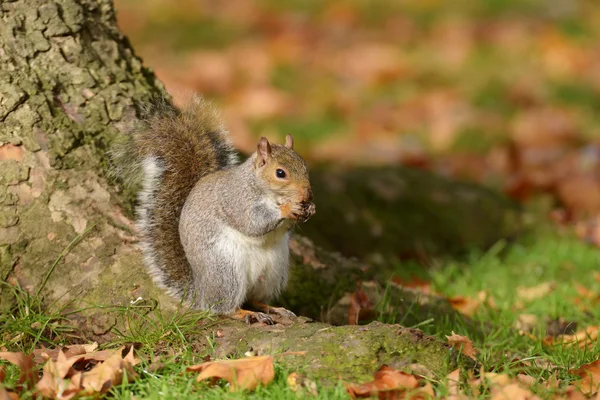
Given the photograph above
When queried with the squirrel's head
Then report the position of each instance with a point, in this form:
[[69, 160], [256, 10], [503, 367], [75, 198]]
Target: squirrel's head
[[284, 171]]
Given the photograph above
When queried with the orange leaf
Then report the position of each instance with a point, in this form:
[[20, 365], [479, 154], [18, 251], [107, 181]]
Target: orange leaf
[[582, 339], [358, 301], [109, 373], [242, 374], [513, 391], [463, 344], [535, 292], [53, 383], [590, 374], [414, 283], [464, 305], [386, 384], [29, 375]]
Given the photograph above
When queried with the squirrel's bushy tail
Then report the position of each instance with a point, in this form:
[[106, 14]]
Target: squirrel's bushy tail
[[170, 150]]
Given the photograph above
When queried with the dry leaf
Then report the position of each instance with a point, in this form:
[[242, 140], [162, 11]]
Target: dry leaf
[[109, 373], [413, 283], [454, 392], [28, 374], [300, 384], [526, 322], [590, 374], [512, 391], [572, 393], [387, 382], [55, 382], [463, 344], [243, 374], [358, 301], [42, 355], [469, 305], [582, 339], [535, 292], [526, 380]]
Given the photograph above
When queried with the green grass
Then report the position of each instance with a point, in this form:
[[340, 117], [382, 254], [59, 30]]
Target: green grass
[[542, 255]]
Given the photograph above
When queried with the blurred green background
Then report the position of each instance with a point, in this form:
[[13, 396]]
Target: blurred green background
[[500, 92]]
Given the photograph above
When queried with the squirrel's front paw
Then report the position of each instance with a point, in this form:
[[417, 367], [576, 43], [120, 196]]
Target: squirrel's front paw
[[308, 210], [291, 210], [297, 211]]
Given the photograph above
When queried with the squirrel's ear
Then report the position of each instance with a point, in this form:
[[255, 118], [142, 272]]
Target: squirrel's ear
[[263, 152], [289, 142]]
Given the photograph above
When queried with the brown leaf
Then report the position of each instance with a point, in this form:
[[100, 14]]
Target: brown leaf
[[469, 305], [28, 374], [243, 374], [590, 374], [387, 383], [526, 322], [44, 354], [535, 292], [358, 301], [526, 380], [582, 339], [463, 344], [572, 393], [453, 380], [414, 283], [109, 373], [512, 391], [6, 395], [301, 384], [55, 382]]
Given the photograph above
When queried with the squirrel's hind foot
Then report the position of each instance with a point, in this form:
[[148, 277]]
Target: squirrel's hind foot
[[251, 317], [282, 312]]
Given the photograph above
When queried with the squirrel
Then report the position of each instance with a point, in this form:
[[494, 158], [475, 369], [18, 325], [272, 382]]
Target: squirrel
[[214, 230]]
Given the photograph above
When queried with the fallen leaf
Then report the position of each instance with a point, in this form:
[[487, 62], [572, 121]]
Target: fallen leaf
[[572, 393], [469, 305], [453, 380], [109, 373], [582, 339], [28, 374], [55, 382], [358, 301], [526, 322], [301, 384], [512, 391], [526, 380], [463, 344], [414, 283], [243, 374], [535, 292], [386, 384], [590, 374], [42, 355]]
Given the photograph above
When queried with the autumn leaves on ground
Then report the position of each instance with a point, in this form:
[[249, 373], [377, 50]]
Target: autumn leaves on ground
[[505, 94]]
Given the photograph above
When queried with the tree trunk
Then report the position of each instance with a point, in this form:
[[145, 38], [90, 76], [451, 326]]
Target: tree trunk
[[66, 75]]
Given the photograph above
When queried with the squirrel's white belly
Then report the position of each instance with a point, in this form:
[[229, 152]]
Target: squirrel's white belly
[[263, 260]]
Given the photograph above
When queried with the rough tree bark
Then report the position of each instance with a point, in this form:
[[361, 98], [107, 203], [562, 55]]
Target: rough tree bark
[[66, 75]]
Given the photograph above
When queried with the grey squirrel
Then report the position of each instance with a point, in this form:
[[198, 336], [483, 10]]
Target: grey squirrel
[[214, 231]]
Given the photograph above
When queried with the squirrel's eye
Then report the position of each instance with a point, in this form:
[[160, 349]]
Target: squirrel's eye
[[280, 173]]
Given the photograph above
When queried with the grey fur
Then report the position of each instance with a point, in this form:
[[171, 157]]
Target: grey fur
[[232, 199]]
